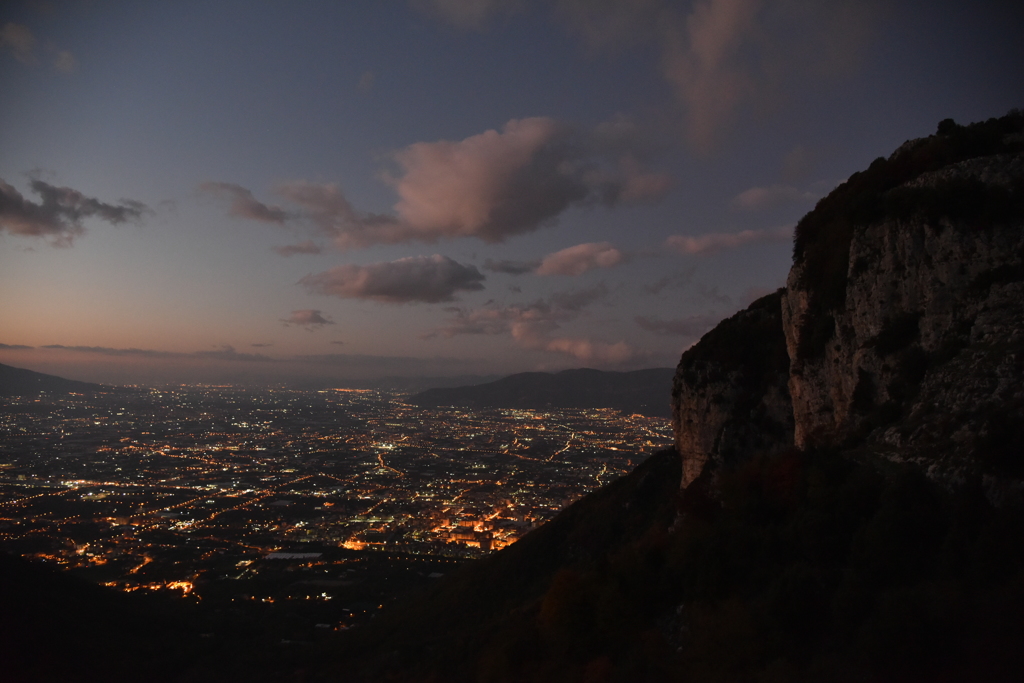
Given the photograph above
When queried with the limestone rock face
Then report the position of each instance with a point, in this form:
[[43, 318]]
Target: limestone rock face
[[900, 332], [730, 397], [929, 338]]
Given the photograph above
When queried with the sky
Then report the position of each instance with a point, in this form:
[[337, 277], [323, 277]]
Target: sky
[[265, 192]]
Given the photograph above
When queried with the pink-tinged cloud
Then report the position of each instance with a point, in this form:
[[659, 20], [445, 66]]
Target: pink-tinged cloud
[[59, 213], [758, 198], [64, 62], [490, 185], [19, 41], [538, 335], [327, 207], [222, 352], [309, 318], [428, 279], [721, 56], [714, 242], [703, 61], [580, 258], [306, 247], [534, 326], [639, 185], [243, 204], [589, 351], [521, 319]]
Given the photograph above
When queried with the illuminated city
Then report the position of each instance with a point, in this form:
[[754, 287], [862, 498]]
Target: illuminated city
[[203, 489]]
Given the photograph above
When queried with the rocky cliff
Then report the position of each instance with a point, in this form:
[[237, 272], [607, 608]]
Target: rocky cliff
[[730, 397], [902, 317]]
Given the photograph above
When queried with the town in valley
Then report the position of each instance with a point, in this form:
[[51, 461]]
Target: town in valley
[[277, 494]]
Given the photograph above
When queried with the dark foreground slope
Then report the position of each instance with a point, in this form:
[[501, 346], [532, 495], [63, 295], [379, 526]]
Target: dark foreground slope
[[21, 382], [852, 455], [639, 391], [54, 627], [805, 566]]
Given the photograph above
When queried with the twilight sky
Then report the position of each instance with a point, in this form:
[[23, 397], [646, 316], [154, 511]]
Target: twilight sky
[[247, 191]]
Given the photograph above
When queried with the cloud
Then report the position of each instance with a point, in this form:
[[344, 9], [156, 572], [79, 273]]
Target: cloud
[[309, 318], [539, 316], [19, 41], [59, 214], [714, 242], [580, 258], [693, 327], [243, 204], [259, 345], [703, 61], [757, 198], [511, 267], [709, 50], [108, 351], [429, 279], [64, 62], [590, 351], [13, 347], [225, 352], [538, 335], [306, 247], [469, 14], [534, 326], [722, 56], [490, 186], [326, 206]]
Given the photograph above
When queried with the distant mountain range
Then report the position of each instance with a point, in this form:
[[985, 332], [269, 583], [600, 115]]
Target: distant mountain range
[[20, 382], [640, 391]]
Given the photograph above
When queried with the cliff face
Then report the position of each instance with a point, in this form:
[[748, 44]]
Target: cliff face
[[903, 318], [730, 397]]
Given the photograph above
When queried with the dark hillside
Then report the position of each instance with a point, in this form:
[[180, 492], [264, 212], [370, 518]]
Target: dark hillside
[[803, 567], [640, 391], [20, 382]]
